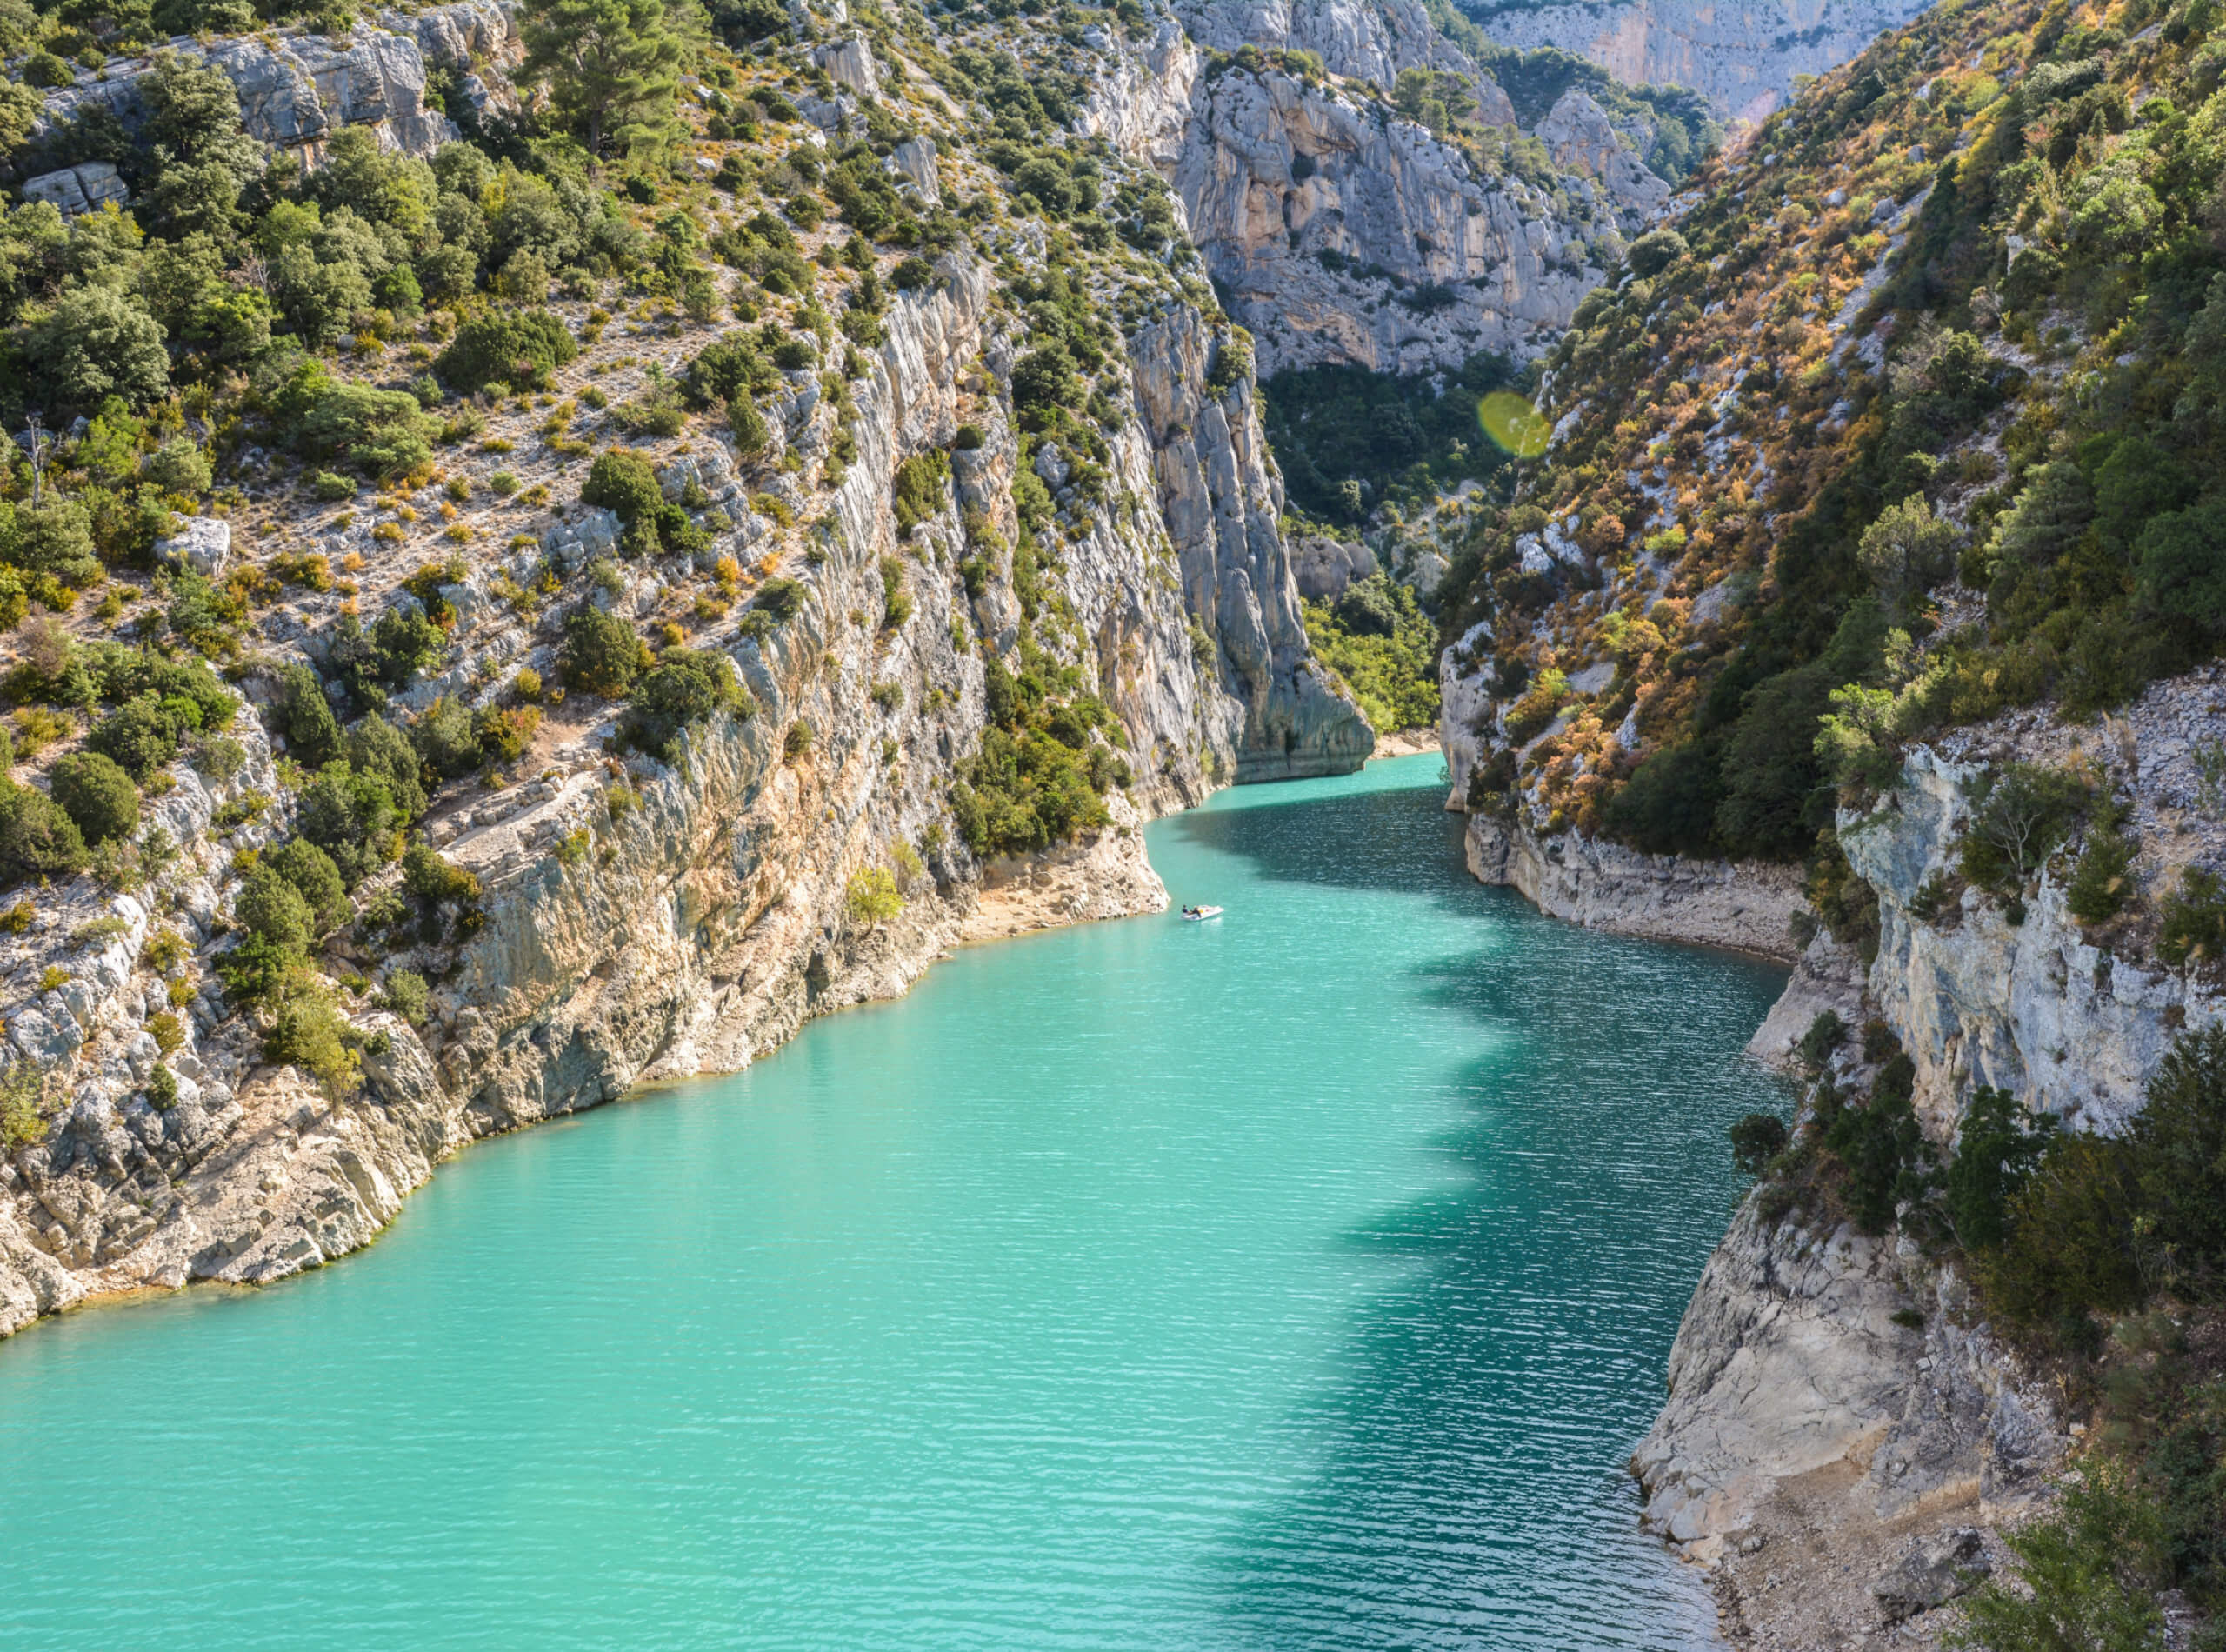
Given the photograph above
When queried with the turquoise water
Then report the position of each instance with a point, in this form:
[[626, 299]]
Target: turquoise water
[[1295, 1281]]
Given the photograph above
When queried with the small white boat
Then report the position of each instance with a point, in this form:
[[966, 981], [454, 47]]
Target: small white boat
[[1200, 914]]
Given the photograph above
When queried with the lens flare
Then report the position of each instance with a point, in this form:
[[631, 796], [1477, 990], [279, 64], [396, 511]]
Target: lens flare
[[1510, 420]]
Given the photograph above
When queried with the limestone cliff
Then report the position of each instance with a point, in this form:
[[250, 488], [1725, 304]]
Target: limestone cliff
[[1338, 231], [296, 89], [1744, 58]]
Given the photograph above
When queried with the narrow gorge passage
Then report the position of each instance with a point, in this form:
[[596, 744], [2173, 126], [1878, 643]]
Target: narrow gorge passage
[[1296, 1282]]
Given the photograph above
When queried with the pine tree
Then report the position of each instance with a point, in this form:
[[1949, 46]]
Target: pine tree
[[611, 66]]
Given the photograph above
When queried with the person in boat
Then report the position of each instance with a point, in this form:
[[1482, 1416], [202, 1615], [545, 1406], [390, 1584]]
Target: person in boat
[[1190, 911]]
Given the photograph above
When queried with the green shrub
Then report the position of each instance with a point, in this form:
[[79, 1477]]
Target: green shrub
[[872, 897], [97, 796], [308, 1032], [519, 348], [407, 995], [316, 879], [328, 485], [1827, 1032], [2089, 1571], [2102, 882], [139, 737], [918, 494], [624, 482], [37, 839], [1757, 1139], [2069, 1248], [896, 599], [304, 717], [427, 875], [1881, 1148], [383, 433], [1997, 1148], [686, 687], [351, 815], [269, 907], [751, 433], [781, 599], [602, 653], [2193, 929]]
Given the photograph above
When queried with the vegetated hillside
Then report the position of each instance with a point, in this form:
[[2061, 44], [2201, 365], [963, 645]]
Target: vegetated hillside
[[1893, 461], [562, 542], [1919, 399]]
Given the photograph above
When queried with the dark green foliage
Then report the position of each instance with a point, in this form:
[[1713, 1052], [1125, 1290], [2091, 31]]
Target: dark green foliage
[[2088, 1569], [351, 815], [2069, 1249], [727, 368], [1775, 795], [258, 970], [1653, 252], [445, 738], [36, 838], [270, 908], [2193, 926], [140, 735], [2183, 563], [686, 687], [1668, 806], [311, 872], [2179, 1150], [1757, 1139], [622, 482], [428, 876], [1041, 774], [602, 653], [518, 347], [1393, 437], [918, 494], [1376, 638], [1997, 1148], [383, 433], [2103, 881], [98, 796], [1826, 1034], [379, 749], [1883, 1151], [781, 599], [1045, 378], [303, 715]]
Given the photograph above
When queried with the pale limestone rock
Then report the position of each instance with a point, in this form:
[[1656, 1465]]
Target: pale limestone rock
[[204, 545], [1742, 58], [78, 188], [1576, 133], [850, 63], [1323, 567], [1745, 905], [1292, 192], [914, 160]]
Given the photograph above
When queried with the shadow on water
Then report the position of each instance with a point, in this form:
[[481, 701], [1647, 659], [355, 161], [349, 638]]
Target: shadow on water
[[1490, 1395]]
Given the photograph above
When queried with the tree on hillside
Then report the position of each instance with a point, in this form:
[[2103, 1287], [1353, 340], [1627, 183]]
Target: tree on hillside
[[611, 67]]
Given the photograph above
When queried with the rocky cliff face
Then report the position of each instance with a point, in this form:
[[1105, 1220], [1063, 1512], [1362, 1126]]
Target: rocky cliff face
[[296, 89], [1743, 58], [1338, 231]]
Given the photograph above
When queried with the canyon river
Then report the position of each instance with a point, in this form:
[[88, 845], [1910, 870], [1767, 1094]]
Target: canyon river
[[1295, 1281]]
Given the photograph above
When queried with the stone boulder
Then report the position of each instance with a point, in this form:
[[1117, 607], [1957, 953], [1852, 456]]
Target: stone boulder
[[1578, 135], [204, 546], [1931, 1572], [914, 160], [850, 63], [1323, 567], [78, 188], [571, 545]]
